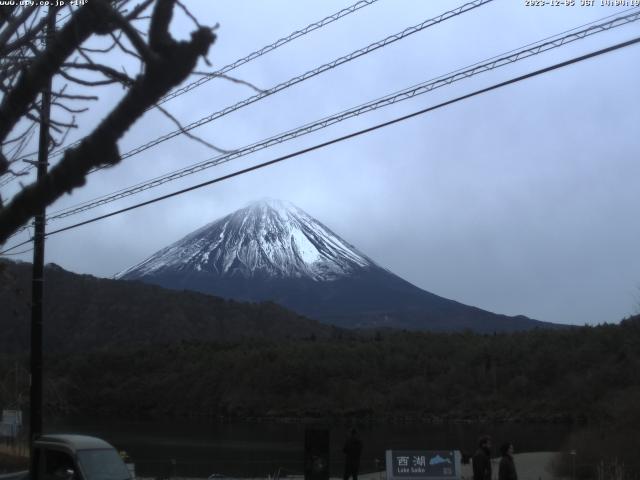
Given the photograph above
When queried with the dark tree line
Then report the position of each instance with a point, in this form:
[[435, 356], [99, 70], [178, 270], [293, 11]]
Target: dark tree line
[[586, 374]]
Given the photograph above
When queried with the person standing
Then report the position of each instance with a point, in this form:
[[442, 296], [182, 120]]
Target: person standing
[[352, 451], [482, 459], [507, 470]]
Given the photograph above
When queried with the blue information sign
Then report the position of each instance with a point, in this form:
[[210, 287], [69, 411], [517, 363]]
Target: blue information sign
[[423, 464]]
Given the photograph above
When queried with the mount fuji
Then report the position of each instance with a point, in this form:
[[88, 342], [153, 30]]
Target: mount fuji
[[272, 250]]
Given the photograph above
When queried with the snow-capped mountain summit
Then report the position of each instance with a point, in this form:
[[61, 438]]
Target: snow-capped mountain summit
[[272, 250], [268, 238]]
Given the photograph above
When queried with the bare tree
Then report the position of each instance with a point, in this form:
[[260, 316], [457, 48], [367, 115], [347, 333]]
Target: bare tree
[[30, 57]]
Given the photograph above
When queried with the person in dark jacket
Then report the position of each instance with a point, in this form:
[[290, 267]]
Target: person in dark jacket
[[482, 459], [507, 470], [352, 451]]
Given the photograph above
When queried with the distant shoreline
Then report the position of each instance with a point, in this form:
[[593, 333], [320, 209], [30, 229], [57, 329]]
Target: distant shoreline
[[559, 419]]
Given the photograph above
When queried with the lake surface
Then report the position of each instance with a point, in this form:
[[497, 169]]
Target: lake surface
[[201, 448]]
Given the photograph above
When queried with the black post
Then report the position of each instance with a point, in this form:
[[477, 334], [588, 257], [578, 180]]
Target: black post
[[316, 453], [37, 281]]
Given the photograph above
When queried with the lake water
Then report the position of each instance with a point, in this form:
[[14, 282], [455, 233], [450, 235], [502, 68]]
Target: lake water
[[201, 448]]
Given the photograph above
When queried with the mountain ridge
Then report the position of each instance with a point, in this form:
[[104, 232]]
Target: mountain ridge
[[272, 250], [85, 313], [268, 237]]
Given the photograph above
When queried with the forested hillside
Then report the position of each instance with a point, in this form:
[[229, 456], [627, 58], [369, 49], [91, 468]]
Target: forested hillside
[[84, 313], [574, 375]]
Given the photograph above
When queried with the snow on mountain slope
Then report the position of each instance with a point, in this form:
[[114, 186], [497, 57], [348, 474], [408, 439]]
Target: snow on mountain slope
[[268, 238], [273, 251]]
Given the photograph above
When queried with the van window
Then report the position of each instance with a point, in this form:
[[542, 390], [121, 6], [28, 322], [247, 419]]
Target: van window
[[102, 464], [57, 466]]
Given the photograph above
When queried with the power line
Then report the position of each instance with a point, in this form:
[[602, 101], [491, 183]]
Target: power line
[[232, 66], [266, 49], [416, 90], [348, 136], [307, 75], [18, 253], [465, 72]]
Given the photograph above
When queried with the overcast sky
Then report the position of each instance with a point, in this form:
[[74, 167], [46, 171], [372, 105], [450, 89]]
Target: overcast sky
[[521, 201]]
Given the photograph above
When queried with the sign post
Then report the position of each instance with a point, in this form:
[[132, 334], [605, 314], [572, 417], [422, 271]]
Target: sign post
[[423, 464]]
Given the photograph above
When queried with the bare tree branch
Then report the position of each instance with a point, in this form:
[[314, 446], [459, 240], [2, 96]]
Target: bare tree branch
[[105, 70], [14, 23], [189, 14], [134, 15], [118, 42], [86, 83], [87, 20], [74, 97], [68, 109], [5, 13], [188, 134], [159, 37], [231, 79], [57, 143], [171, 63], [29, 36], [98, 50], [147, 54], [4, 167]]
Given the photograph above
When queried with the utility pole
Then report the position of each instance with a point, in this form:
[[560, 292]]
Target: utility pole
[[37, 281]]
